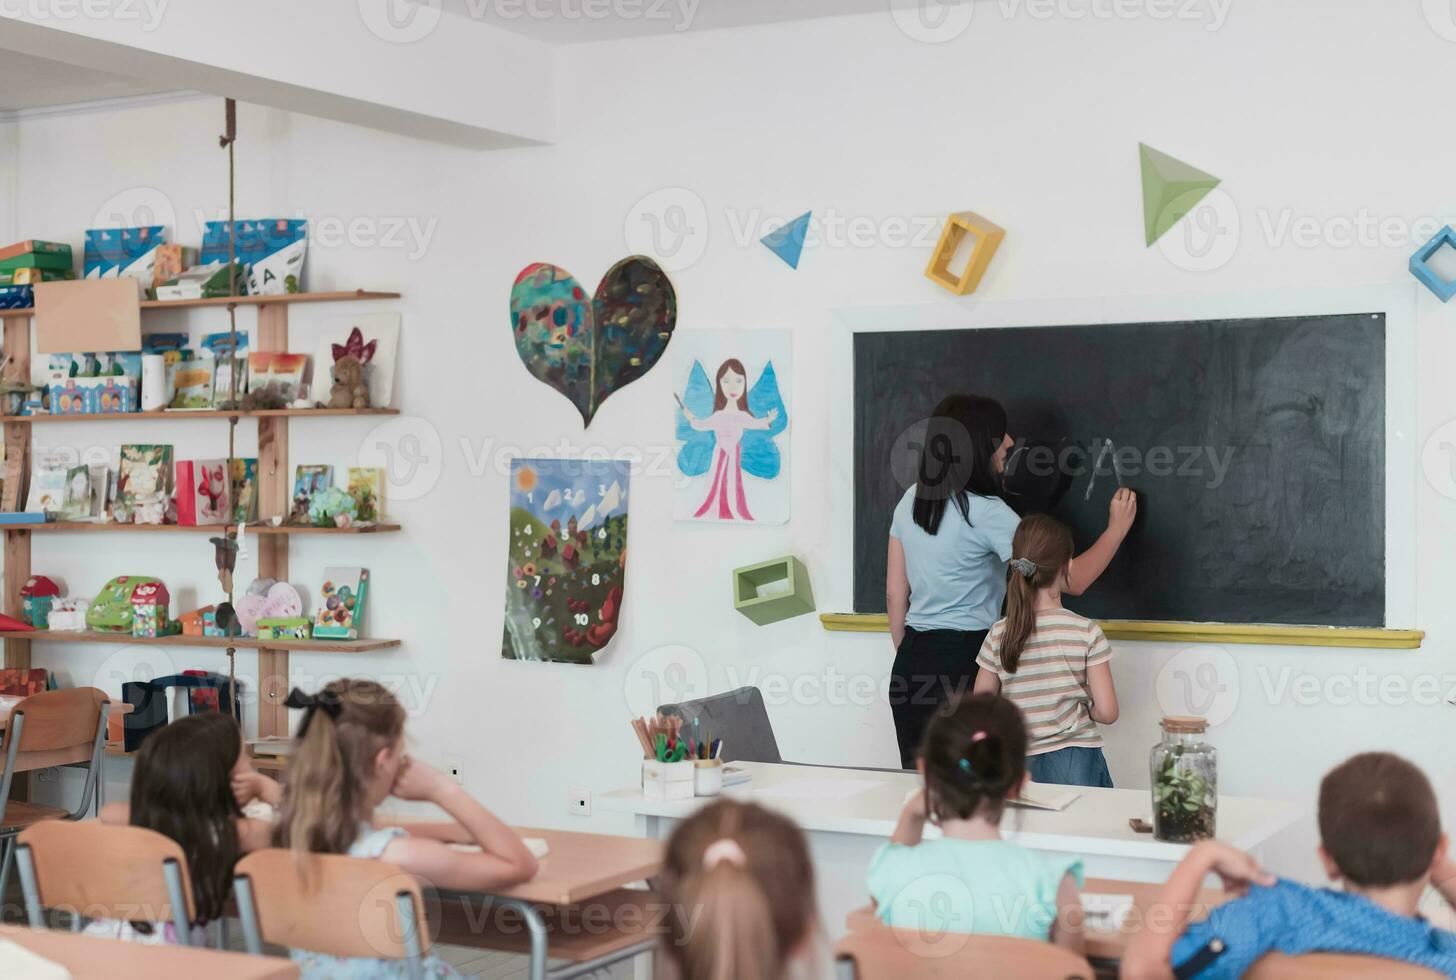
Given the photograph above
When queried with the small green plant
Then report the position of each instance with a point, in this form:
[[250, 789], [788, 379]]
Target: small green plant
[[1182, 809]]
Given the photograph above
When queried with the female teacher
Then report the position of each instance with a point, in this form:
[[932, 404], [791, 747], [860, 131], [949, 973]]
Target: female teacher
[[950, 540]]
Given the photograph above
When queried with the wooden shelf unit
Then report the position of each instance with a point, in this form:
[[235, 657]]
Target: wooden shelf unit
[[201, 413], [87, 526], [275, 488]]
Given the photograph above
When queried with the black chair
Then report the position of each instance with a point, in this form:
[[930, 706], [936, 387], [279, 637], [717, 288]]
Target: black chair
[[738, 717]]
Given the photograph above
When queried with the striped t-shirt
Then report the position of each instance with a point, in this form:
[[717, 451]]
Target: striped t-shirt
[[1050, 683]]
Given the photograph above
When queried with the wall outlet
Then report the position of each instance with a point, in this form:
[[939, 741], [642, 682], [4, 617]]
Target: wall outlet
[[580, 802], [454, 770]]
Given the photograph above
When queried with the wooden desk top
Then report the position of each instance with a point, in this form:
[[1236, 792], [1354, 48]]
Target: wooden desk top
[[89, 957], [583, 866], [577, 867], [1102, 944]]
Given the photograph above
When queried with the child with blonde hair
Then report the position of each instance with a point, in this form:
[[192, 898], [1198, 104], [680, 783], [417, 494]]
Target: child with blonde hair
[[348, 758], [1051, 663], [741, 886]]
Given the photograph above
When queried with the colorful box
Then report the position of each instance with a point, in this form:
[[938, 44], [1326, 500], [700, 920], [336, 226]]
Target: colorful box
[[34, 245], [193, 623], [284, 628], [149, 606], [341, 611], [172, 261], [204, 492], [29, 277]]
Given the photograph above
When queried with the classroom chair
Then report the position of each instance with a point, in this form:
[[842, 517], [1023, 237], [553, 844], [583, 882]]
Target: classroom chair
[[97, 871], [894, 954], [738, 717], [1319, 966], [346, 907], [52, 728]]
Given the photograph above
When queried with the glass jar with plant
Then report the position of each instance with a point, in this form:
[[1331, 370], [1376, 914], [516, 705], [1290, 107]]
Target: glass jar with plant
[[1185, 782]]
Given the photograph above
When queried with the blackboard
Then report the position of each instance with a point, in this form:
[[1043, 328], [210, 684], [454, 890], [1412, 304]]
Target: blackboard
[[1256, 446]]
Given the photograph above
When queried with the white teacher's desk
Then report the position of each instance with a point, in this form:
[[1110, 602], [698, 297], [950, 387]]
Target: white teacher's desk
[[848, 813]]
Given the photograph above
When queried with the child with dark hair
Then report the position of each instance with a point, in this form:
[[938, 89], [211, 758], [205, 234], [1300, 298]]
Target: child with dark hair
[[970, 880], [182, 787], [1380, 835]]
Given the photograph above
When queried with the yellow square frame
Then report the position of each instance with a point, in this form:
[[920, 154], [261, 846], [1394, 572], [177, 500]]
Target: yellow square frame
[[958, 225]]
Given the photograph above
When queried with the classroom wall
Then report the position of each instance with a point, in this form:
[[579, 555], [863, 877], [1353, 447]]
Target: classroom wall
[[1316, 116]]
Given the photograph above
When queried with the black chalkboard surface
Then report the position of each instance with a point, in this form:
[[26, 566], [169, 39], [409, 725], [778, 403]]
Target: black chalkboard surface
[[1256, 446]]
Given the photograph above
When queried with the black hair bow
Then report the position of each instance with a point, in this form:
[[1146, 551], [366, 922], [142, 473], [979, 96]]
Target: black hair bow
[[325, 699]]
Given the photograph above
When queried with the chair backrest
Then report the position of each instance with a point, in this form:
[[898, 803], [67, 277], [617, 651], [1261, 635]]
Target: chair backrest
[[103, 871], [1318, 966], [738, 717], [894, 954], [337, 905], [55, 728]]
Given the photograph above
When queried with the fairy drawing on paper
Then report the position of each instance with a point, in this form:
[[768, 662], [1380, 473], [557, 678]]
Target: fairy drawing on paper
[[728, 432]]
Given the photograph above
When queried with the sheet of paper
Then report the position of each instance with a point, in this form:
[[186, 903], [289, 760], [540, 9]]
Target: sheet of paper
[[87, 315], [1043, 796], [819, 789], [1106, 911], [538, 846]]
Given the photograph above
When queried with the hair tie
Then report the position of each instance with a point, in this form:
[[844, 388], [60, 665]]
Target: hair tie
[[325, 699], [979, 735], [1025, 566], [723, 849]]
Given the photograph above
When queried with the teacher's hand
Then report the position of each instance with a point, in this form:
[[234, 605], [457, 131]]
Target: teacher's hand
[[1122, 511]]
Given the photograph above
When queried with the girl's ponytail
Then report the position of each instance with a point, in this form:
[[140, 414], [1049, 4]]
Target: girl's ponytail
[[740, 888], [1040, 551], [975, 757], [332, 767]]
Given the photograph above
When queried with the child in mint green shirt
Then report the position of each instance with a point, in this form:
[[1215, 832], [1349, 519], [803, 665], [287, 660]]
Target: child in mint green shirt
[[970, 880]]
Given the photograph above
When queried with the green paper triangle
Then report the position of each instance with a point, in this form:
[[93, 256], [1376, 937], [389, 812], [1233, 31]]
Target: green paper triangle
[[1171, 188]]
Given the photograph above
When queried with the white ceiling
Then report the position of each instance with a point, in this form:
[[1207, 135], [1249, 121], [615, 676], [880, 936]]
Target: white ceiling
[[582, 21], [27, 82]]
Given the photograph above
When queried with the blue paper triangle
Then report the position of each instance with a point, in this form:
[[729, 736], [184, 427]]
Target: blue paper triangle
[[788, 242]]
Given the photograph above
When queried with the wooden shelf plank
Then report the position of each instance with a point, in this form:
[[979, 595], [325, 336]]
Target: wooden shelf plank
[[1250, 633], [345, 296], [203, 413], [198, 528], [202, 642]]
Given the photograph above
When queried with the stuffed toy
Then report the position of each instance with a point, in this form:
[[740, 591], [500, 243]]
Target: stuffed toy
[[349, 390]]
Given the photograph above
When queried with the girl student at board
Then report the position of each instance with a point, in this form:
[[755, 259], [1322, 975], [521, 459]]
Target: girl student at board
[[950, 541]]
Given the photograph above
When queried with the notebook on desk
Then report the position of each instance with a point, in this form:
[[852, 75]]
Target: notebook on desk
[[1045, 796], [536, 845]]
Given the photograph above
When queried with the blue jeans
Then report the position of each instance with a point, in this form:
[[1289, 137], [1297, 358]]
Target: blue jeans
[[1072, 766]]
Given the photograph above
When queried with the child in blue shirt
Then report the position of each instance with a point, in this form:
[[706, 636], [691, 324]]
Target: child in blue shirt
[[1380, 834], [973, 759]]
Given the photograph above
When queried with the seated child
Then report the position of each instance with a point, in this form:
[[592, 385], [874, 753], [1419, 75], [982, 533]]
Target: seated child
[[745, 884], [970, 880], [1380, 834], [181, 786], [348, 758], [1053, 664]]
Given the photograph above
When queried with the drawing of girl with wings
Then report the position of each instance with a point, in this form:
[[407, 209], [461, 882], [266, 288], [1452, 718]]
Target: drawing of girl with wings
[[731, 429]]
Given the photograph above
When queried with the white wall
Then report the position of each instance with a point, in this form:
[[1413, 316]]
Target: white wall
[[1309, 112]]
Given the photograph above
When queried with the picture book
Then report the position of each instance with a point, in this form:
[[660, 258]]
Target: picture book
[[143, 483], [191, 384], [366, 486], [341, 604], [307, 481], [244, 489], [47, 482], [76, 502]]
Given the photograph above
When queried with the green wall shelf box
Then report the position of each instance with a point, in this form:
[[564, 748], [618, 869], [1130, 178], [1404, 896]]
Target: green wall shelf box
[[773, 590]]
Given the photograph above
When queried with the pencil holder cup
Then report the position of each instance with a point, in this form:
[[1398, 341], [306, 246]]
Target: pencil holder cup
[[667, 780], [707, 777]]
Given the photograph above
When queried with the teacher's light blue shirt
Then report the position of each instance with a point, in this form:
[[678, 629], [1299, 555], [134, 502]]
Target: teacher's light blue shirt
[[957, 575]]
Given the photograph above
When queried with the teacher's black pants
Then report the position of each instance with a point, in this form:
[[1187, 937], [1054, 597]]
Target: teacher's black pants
[[932, 668]]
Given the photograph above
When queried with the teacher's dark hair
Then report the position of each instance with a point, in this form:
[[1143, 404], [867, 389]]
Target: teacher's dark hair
[[961, 437]]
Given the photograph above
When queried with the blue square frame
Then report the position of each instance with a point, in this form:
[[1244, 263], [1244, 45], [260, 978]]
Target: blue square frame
[[1444, 289]]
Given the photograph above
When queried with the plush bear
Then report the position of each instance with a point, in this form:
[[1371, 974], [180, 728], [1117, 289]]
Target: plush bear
[[349, 390]]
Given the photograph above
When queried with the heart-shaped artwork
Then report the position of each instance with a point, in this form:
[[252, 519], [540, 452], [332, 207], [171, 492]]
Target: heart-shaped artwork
[[587, 350]]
